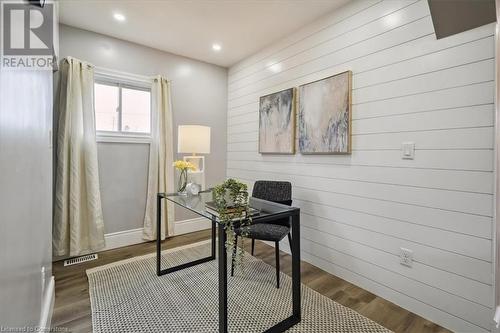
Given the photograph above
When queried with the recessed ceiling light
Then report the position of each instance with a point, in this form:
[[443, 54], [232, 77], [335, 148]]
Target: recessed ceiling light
[[274, 67], [216, 47], [119, 17], [392, 20]]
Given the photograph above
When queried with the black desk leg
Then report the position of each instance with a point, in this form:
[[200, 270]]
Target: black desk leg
[[159, 270], [213, 239], [295, 318], [158, 235], [222, 281], [296, 266]]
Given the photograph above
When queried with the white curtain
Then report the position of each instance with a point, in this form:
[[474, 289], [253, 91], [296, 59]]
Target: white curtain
[[161, 171], [78, 220]]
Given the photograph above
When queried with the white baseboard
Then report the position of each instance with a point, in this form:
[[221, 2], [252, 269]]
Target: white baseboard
[[496, 320], [119, 239], [134, 236], [113, 240], [123, 238], [47, 306], [191, 225]]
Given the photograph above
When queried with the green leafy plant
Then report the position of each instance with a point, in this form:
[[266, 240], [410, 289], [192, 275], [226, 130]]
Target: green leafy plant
[[231, 201]]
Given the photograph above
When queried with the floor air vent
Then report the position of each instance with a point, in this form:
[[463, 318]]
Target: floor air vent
[[79, 260]]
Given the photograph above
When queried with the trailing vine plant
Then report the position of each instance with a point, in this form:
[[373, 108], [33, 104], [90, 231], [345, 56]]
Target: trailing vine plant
[[231, 201]]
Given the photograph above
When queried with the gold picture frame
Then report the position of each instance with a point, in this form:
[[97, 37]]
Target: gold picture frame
[[325, 115], [277, 122]]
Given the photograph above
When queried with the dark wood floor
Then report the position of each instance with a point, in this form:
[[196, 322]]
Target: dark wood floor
[[72, 304]]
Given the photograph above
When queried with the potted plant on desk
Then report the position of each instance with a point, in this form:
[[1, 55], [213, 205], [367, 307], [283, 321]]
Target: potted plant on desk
[[231, 201]]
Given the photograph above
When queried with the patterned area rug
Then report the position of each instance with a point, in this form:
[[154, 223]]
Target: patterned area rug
[[127, 296]]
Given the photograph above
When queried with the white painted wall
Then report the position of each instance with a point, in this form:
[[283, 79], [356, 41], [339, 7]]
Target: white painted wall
[[26, 291], [123, 173], [497, 180], [358, 210], [199, 96]]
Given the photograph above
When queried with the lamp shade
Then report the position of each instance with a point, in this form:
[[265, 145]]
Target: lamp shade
[[193, 139]]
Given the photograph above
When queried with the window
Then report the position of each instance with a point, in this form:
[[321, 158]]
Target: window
[[122, 109]]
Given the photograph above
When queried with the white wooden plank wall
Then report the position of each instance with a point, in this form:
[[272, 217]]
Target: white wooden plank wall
[[358, 210]]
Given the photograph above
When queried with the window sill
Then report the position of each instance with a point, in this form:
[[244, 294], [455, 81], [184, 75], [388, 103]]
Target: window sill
[[117, 138]]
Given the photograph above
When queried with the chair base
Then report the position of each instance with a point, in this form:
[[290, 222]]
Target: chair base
[[277, 256], [277, 253]]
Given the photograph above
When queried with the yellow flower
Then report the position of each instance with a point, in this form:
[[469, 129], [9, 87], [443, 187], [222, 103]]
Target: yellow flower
[[190, 166], [184, 165]]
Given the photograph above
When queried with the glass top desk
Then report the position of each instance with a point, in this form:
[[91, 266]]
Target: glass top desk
[[268, 211]]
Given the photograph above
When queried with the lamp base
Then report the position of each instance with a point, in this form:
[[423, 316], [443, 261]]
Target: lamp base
[[198, 161], [198, 175]]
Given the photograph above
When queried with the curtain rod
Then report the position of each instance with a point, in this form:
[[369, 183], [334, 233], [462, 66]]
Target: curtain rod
[[116, 73]]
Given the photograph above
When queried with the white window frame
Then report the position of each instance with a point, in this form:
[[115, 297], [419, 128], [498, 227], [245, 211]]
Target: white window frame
[[124, 80]]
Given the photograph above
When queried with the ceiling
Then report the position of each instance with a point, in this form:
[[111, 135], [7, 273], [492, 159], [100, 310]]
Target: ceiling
[[190, 27]]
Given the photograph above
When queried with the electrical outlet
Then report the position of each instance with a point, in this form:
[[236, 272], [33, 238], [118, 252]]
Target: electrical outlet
[[406, 257]]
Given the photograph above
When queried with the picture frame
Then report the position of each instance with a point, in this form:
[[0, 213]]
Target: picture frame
[[277, 122], [325, 115]]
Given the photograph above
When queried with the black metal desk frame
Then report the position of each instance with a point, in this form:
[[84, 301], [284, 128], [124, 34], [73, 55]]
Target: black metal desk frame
[[293, 214]]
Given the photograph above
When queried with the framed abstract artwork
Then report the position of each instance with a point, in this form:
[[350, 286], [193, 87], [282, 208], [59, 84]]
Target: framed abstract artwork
[[325, 115], [277, 123]]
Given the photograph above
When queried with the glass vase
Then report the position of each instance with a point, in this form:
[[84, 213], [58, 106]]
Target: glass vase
[[181, 186]]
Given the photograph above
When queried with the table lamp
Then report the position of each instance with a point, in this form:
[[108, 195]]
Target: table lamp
[[194, 139]]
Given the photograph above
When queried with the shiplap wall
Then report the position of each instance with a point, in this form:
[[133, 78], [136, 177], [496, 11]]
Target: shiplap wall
[[358, 210]]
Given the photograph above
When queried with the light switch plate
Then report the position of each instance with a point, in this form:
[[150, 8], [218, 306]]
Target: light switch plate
[[408, 150]]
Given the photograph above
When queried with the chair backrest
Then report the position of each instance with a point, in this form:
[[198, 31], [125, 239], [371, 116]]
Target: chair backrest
[[275, 191]]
